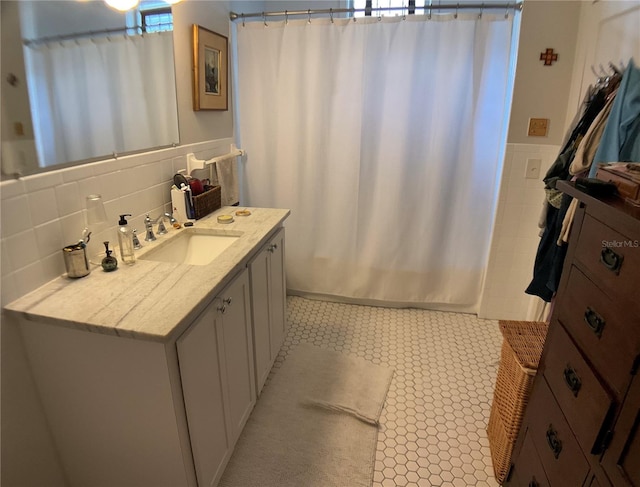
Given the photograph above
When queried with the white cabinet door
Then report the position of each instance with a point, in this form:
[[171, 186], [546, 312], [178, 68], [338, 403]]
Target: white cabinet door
[[268, 294], [278, 293], [260, 306], [237, 348], [216, 369], [203, 377]]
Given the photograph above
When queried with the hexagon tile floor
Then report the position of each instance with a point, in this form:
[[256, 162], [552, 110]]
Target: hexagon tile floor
[[433, 425]]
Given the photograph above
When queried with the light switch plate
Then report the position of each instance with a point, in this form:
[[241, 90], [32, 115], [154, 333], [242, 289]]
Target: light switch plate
[[533, 168], [538, 127]]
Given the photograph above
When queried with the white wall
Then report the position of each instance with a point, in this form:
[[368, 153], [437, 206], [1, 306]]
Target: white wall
[[609, 32], [542, 91], [42, 213], [602, 31], [18, 151]]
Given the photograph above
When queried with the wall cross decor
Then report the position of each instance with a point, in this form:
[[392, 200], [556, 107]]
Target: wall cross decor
[[548, 57]]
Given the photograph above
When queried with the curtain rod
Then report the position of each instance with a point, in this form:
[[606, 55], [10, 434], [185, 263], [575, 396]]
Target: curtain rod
[[92, 33], [331, 11]]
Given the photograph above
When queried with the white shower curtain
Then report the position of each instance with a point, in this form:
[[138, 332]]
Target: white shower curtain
[[384, 138], [93, 97]]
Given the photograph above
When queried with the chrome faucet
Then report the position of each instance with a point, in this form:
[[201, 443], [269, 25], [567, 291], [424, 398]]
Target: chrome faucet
[[160, 221], [148, 225]]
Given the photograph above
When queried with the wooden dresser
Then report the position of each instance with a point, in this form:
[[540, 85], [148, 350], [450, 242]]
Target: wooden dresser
[[582, 423]]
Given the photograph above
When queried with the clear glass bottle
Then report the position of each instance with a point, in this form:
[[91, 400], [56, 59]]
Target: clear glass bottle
[[125, 241]]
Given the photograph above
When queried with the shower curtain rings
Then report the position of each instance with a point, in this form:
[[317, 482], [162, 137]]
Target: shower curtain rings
[[429, 17], [331, 14], [481, 10], [242, 20], [286, 17], [309, 15], [455, 16], [264, 19], [506, 12]]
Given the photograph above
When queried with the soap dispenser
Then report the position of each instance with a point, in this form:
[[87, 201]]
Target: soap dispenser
[[125, 239]]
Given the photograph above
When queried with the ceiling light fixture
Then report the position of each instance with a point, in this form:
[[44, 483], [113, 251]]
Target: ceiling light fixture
[[122, 5]]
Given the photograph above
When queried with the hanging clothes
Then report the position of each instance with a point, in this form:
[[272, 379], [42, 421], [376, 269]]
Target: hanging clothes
[[550, 255], [621, 138]]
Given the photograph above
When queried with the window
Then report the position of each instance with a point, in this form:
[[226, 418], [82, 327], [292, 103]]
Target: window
[[150, 16], [418, 7], [409, 7], [156, 20]]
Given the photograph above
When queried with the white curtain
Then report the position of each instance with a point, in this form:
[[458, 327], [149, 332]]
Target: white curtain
[[384, 138], [93, 97]]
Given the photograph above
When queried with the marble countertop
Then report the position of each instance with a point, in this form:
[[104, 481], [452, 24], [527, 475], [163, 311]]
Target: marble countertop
[[149, 300]]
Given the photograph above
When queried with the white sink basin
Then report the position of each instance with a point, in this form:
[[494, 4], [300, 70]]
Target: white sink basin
[[191, 247]]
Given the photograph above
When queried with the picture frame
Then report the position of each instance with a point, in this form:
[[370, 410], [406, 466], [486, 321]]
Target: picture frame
[[210, 70]]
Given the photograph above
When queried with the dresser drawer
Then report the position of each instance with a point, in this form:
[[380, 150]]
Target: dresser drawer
[[612, 258], [528, 471], [605, 331], [583, 400], [557, 448]]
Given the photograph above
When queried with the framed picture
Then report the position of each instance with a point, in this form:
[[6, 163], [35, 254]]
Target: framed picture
[[210, 70]]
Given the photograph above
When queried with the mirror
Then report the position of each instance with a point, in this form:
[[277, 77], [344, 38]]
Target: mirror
[[82, 82]]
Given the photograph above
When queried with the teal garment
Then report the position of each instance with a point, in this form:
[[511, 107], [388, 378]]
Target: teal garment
[[621, 137]]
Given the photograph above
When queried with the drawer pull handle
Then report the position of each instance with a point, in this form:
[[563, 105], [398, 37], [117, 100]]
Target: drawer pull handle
[[611, 260], [594, 321], [534, 483], [572, 380], [554, 442]]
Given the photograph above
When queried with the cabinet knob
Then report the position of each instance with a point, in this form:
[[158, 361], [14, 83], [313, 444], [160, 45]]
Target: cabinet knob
[[227, 301], [222, 309], [272, 248], [611, 260], [572, 380], [553, 441], [594, 321]]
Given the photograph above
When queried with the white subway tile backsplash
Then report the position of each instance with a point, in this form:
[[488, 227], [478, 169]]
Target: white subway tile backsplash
[[135, 204], [104, 167], [42, 181], [29, 278], [114, 209], [90, 185], [5, 262], [42, 206], [72, 227], [53, 266], [15, 214], [11, 188], [49, 238], [111, 185], [9, 289], [69, 199], [167, 170], [77, 173], [131, 181], [22, 249], [179, 163], [42, 213]]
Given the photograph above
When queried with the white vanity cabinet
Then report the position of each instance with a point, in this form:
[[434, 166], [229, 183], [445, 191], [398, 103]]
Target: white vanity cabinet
[[268, 305], [146, 375], [216, 367]]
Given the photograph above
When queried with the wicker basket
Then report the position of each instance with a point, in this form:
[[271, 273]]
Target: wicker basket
[[207, 202], [521, 350]]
